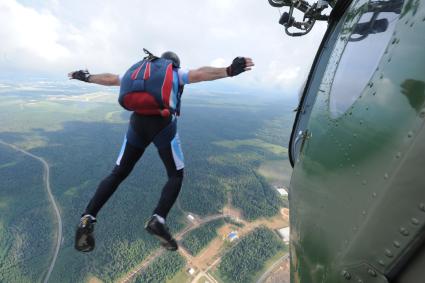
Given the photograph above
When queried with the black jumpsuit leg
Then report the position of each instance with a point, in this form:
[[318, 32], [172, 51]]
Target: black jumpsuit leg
[[108, 186], [171, 189]]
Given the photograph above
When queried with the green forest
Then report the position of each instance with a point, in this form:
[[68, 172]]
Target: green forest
[[199, 238], [81, 138], [247, 258], [162, 269]]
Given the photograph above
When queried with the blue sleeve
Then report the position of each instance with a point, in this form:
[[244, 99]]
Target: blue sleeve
[[183, 76]]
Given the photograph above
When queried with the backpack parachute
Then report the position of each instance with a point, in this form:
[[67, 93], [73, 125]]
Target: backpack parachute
[[147, 86]]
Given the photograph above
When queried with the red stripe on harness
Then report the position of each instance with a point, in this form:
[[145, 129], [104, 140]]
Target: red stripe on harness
[[136, 72], [167, 86], [147, 73]]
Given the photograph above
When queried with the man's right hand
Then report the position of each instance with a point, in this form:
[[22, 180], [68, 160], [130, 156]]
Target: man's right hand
[[82, 75]]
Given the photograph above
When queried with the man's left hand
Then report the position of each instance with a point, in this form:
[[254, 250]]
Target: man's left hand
[[239, 65]]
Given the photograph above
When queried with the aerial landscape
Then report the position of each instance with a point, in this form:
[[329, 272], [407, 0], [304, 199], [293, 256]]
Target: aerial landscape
[[58, 139]]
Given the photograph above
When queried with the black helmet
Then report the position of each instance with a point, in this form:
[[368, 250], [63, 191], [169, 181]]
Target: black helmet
[[173, 57]]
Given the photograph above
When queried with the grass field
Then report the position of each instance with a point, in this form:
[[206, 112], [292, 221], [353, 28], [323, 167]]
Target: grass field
[[180, 277], [276, 172], [268, 264], [258, 143]]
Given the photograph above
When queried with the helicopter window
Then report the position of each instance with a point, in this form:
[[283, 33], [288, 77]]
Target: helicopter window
[[346, 60], [365, 42]]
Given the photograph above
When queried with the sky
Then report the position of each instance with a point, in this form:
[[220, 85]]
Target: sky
[[49, 38]]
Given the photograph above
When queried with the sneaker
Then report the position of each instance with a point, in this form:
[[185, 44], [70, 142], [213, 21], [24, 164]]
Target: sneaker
[[160, 230], [84, 238]]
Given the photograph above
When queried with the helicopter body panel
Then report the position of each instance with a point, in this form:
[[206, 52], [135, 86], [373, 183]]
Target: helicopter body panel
[[357, 194]]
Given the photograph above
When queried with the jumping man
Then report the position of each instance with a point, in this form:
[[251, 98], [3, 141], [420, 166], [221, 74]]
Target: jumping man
[[152, 89]]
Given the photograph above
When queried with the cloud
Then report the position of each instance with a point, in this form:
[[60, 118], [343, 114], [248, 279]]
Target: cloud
[[28, 34], [107, 36]]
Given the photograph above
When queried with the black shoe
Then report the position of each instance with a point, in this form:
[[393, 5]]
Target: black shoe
[[156, 228], [84, 238]]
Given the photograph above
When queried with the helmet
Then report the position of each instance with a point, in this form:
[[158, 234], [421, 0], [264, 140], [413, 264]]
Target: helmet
[[173, 57]]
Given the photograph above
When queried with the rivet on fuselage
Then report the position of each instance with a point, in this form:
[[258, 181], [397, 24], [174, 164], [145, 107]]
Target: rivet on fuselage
[[388, 253], [381, 76], [415, 221], [357, 173], [346, 274], [422, 206], [381, 262], [410, 134], [374, 194], [396, 244], [374, 93], [361, 122], [404, 231], [411, 25], [364, 212], [359, 281], [364, 182], [386, 176], [371, 272], [422, 113], [398, 155]]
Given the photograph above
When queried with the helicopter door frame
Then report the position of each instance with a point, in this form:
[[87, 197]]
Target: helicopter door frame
[[300, 133]]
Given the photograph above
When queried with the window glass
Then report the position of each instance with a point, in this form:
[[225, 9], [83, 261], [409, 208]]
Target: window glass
[[358, 51]]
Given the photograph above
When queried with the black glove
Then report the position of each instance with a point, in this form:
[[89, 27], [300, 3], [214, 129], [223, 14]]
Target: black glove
[[238, 66], [82, 75]]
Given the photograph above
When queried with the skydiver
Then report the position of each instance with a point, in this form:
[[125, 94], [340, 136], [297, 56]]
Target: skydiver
[[145, 128]]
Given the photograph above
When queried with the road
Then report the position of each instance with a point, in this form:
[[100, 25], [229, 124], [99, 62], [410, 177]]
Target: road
[[46, 178], [270, 270], [178, 237]]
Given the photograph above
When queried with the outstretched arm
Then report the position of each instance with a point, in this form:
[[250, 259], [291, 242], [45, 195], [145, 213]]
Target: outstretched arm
[[106, 79], [239, 65]]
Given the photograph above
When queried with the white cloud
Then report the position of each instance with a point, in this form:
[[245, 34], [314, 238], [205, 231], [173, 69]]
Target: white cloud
[[28, 33], [219, 63], [108, 36]]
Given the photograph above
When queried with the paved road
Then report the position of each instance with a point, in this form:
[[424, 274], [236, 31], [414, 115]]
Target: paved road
[[46, 178]]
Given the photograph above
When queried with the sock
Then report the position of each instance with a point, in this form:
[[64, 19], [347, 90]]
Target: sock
[[160, 219]]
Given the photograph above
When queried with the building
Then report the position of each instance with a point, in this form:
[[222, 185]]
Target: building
[[233, 236], [190, 217], [283, 191], [284, 233], [191, 271]]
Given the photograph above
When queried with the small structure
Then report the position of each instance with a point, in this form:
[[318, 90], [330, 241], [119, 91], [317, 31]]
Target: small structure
[[191, 271], [233, 236], [284, 233], [190, 217], [282, 190]]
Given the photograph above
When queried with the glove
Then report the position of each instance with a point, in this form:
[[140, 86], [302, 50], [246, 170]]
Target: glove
[[82, 75], [238, 66]]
